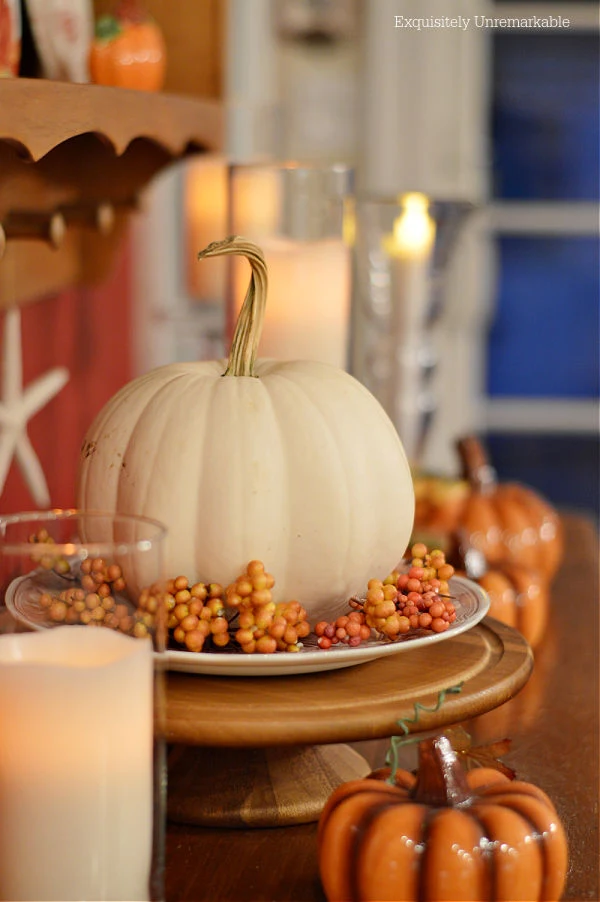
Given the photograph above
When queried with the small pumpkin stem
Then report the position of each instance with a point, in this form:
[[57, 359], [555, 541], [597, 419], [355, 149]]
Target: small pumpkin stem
[[476, 467], [244, 346], [441, 780]]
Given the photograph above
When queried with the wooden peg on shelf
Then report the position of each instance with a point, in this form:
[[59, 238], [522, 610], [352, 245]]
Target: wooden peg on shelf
[[100, 217], [129, 205], [32, 225]]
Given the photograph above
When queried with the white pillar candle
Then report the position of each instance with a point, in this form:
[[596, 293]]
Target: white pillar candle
[[307, 312], [409, 248], [76, 772]]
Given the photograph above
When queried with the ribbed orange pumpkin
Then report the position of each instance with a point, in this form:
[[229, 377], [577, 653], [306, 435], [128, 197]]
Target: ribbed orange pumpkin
[[508, 521], [519, 597], [442, 835]]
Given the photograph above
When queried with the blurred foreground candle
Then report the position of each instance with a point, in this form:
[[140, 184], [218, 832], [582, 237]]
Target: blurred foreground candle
[[297, 215], [76, 765]]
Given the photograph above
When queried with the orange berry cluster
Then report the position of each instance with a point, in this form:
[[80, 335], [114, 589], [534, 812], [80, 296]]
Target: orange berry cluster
[[98, 576], [44, 557], [349, 629], [206, 616], [93, 601], [76, 606], [194, 612], [264, 626], [417, 599], [243, 616]]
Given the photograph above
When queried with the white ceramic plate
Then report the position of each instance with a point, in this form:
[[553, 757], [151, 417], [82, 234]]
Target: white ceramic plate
[[470, 601]]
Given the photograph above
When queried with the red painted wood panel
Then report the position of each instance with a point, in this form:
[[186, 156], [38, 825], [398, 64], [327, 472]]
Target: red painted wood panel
[[88, 331]]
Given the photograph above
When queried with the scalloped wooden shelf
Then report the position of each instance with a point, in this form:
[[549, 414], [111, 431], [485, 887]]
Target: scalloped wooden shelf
[[64, 144]]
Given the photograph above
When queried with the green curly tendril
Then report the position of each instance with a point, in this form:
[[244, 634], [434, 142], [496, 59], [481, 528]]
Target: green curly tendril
[[396, 742]]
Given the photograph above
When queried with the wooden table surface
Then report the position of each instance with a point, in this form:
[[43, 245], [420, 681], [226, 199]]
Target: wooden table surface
[[553, 724]]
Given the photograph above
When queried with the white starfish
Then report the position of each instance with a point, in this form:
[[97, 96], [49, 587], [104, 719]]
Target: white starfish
[[18, 406]]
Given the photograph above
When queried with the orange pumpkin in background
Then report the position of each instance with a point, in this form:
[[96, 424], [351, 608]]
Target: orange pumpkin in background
[[505, 536], [519, 597], [505, 521], [128, 50], [508, 521], [444, 834]]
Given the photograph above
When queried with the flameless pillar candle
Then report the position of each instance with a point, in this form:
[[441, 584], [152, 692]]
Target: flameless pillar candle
[[409, 250], [76, 772], [307, 312]]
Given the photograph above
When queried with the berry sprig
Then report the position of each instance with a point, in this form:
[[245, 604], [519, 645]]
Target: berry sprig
[[417, 599], [44, 557], [348, 629], [100, 577], [195, 613], [207, 617], [244, 616], [93, 601], [76, 606], [413, 600], [263, 626]]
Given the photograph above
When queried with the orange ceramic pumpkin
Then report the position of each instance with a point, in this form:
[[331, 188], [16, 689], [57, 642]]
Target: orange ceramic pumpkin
[[442, 835], [519, 598], [508, 521], [128, 50]]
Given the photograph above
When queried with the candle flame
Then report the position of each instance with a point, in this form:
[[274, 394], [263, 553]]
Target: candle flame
[[414, 229]]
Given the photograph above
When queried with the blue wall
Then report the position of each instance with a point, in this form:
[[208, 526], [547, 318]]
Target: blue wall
[[546, 116], [545, 337], [546, 146]]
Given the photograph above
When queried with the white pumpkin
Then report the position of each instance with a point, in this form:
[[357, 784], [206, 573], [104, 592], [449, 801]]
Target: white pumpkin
[[293, 463]]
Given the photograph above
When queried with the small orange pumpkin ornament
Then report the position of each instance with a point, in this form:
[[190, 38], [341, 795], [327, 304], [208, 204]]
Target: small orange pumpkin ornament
[[128, 50], [442, 835], [519, 595], [519, 598], [508, 521]]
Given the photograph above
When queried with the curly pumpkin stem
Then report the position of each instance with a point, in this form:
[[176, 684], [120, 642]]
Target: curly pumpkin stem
[[441, 780], [244, 346]]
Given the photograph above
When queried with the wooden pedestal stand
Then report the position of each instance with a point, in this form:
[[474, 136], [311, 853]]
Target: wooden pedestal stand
[[268, 751]]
